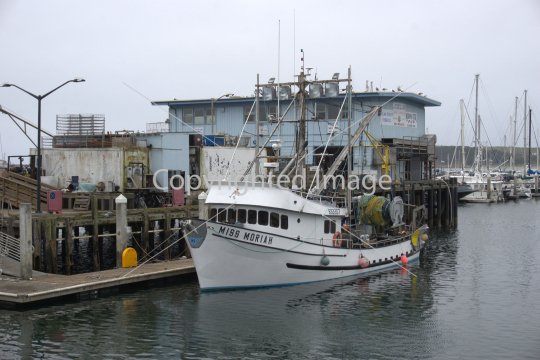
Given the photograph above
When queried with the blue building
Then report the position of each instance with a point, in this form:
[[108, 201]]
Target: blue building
[[395, 143]]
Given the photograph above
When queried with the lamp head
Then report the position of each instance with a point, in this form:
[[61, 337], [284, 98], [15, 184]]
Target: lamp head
[[6, 85], [78, 80]]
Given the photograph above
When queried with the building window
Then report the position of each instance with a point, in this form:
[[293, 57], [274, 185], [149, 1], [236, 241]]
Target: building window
[[198, 119], [271, 113], [187, 115], [252, 216], [246, 113], [333, 111], [274, 219], [320, 111], [263, 218], [284, 222]]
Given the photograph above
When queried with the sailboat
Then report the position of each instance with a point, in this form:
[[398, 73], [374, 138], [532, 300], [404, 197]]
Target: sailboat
[[485, 189], [261, 234]]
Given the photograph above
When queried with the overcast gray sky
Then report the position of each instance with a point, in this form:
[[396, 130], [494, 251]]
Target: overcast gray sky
[[131, 51]]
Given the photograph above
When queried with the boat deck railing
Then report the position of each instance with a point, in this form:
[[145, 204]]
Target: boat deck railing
[[323, 199], [353, 241]]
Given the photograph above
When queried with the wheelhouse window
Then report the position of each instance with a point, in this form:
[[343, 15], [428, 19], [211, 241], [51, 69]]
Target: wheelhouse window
[[252, 216], [242, 216], [284, 222], [263, 218], [213, 214], [329, 227], [222, 215], [231, 216], [274, 219]]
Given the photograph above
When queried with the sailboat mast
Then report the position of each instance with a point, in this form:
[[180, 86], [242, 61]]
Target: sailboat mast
[[462, 105], [530, 131], [524, 133], [514, 141], [477, 129]]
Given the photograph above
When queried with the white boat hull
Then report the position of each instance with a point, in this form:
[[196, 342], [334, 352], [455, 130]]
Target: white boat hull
[[234, 257]]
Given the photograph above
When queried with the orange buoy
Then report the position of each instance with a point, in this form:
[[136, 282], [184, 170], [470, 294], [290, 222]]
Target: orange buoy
[[404, 259]]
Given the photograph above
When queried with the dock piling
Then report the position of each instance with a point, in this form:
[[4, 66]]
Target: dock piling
[[25, 234], [121, 228]]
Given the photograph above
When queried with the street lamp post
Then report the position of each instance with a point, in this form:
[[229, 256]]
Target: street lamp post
[[39, 98], [212, 109]]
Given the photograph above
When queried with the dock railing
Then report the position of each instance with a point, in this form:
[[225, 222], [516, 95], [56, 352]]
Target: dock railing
[[9, 247]]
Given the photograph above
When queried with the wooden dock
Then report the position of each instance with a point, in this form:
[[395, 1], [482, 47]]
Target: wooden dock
[[53, 230], [45, 286]]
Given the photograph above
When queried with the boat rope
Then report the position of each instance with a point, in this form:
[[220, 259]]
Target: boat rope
[[198, 131], [323, 154], [450, 199], [171, 244], [238, 142]]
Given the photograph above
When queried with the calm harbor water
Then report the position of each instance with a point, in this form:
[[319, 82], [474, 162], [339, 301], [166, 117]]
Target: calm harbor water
[[476, 294]]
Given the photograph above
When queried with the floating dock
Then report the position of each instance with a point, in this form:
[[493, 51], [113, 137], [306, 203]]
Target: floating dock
[[43, 286]]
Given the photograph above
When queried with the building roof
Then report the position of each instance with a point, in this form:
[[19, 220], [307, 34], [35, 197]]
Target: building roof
[[384, 95]]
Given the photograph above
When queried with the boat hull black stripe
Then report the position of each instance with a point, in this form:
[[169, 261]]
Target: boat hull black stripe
[[320, 267], [278, 249], [334, 268]]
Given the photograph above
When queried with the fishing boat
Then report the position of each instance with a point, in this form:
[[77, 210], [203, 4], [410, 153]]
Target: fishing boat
[[261, 234]]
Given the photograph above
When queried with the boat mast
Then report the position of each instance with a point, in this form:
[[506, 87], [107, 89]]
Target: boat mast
[[530, 131], [302, 122], [524, 133], [349, 155], [257, 127], [514, 141], [462, 105], [477, 129]]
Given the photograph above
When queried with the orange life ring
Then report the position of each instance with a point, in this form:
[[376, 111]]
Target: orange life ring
[[336, 239]]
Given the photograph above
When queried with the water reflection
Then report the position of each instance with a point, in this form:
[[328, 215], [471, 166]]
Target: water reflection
[[335, 317]]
